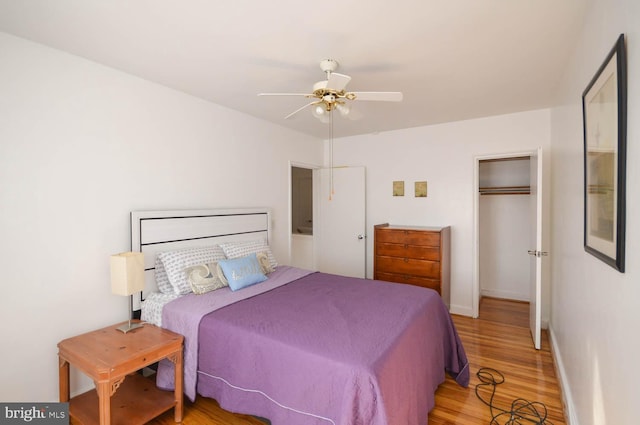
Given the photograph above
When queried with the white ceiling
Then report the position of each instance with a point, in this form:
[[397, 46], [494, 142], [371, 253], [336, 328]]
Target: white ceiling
[[452, 59]]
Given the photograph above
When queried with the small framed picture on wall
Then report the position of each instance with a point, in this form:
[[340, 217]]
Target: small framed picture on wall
[[398, 188], [421, 189]]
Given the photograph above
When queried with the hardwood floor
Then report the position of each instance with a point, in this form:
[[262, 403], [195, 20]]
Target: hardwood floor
[[514, 313], [499, 339]]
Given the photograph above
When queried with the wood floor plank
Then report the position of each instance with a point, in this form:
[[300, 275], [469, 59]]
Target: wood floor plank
[[499, 339]]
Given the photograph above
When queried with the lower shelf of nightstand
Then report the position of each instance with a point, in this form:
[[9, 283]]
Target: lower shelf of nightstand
[[136, 401]]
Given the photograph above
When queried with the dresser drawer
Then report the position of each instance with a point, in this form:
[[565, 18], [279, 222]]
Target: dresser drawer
[[408, 251], [410, 237], [414, 255], [411, 280], [408, 266]]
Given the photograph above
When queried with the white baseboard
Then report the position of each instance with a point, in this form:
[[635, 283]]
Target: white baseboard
[[508, 295], [565, 389], [462, 311]]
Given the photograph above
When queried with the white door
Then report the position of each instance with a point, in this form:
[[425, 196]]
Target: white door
[[535, 240], [339, 223]]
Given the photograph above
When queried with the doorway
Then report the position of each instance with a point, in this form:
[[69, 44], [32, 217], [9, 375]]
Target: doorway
[[507, 232], [328, 233], [504, 227], [301, 240]]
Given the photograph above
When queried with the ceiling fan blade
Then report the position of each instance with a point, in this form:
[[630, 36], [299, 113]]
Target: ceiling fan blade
[[337, 81], [386, 96], [285, 94], [300, 109]]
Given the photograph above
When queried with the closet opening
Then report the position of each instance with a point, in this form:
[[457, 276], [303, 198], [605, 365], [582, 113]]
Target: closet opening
[[504, 226]]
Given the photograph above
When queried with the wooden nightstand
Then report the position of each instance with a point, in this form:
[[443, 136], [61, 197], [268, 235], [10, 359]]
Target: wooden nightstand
[[112, 358]]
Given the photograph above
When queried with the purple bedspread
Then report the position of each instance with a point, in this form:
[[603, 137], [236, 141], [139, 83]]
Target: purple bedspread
[[328, 349], [184, 314]]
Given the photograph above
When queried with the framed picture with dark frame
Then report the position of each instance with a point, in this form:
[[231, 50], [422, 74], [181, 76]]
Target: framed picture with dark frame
[[604, 113]]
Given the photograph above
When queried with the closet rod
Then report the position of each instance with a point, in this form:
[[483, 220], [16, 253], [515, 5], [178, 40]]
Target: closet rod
[[505, 190]]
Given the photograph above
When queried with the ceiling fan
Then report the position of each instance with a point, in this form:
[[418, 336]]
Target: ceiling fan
[[330, 95]]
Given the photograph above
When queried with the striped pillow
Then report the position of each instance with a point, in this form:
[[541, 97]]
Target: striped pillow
[[244, 248]]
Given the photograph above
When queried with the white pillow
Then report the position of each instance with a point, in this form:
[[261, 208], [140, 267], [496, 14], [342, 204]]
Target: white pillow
[[176, 262], [242, 249], [162, 280]]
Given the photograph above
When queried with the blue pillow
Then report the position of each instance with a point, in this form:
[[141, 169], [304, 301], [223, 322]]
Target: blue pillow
[[242, 272]]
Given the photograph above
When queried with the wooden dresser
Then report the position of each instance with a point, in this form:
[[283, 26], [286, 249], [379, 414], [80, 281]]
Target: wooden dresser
[[413, 254]]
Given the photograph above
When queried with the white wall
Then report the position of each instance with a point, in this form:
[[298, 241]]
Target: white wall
[[595, 319], [81, 145], [444, 156], [505, 222]]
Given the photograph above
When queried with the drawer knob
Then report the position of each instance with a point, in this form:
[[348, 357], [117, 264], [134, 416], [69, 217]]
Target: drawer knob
[[406, 246], [406, 260]]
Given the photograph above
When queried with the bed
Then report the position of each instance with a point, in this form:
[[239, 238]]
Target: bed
[[300, 347]]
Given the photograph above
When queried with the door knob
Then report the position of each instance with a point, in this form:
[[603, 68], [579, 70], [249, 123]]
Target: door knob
[[361, 236], [538, 253]]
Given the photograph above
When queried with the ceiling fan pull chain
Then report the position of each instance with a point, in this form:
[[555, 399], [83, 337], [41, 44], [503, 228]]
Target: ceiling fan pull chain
[[331, 192]]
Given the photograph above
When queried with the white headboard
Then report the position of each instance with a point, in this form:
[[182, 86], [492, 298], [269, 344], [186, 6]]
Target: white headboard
[[157, 231]]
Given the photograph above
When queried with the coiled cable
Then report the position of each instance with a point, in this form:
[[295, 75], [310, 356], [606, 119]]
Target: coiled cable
[[521, 411]]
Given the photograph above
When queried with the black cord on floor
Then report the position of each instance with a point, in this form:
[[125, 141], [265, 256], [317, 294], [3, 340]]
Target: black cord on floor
[[521, 411]]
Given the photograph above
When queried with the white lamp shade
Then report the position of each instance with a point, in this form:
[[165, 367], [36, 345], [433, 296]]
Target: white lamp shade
[[127, 273]]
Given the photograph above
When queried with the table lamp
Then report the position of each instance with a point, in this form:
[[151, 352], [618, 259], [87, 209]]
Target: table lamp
[[127, 278]]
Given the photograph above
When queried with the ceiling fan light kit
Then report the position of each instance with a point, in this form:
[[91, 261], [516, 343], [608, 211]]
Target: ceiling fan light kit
[[330, 94], [321, 114]]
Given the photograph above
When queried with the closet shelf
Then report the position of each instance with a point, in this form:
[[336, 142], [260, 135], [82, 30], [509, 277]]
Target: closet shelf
[[505, 190]]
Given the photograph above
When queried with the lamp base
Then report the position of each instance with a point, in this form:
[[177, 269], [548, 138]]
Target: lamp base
[[127, 327]]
